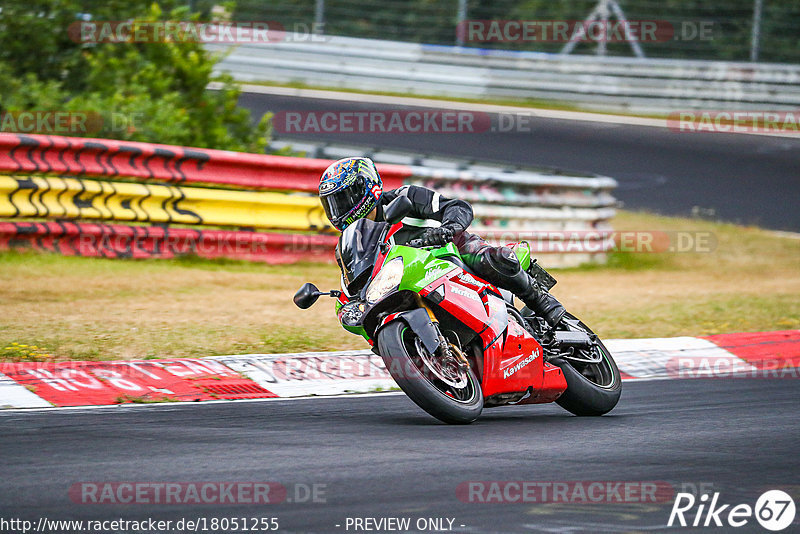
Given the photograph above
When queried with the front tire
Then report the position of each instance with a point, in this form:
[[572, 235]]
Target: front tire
[[403, 358], [592, 389]]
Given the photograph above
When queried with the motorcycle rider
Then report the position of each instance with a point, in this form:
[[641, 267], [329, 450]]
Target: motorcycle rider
[[351, 189]]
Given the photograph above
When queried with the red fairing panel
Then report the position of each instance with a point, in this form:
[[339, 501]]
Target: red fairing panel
[[394, 229], [513, 365], [469, 306], [389, 318], [553, 385], [512, 357]]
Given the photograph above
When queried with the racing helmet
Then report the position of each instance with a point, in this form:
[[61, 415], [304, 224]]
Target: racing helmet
[[349, 189]]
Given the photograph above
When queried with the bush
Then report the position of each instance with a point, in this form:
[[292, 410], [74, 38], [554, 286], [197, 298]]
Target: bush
[[153, 92]]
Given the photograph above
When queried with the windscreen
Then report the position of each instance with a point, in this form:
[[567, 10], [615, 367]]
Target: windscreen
[[357, 251], [340, 203]]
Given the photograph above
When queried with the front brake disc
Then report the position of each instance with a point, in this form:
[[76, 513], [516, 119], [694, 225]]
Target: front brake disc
[[451, 375]]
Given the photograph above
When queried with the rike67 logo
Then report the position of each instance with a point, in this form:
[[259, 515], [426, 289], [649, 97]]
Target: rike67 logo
[[774, 510]]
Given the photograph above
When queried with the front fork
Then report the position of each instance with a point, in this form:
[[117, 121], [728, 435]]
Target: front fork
[[446, 349]]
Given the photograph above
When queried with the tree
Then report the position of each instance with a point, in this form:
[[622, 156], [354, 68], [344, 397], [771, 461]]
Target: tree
[[152, 91]]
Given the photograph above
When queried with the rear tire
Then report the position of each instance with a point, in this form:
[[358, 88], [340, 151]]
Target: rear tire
[[397, 348], [585, 396]]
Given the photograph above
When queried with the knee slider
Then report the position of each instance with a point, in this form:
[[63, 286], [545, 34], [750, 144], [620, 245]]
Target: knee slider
[[500, 266], [503, 260]]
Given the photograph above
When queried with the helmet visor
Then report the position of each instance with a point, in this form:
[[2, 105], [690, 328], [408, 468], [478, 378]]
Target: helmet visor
[[340, 203]]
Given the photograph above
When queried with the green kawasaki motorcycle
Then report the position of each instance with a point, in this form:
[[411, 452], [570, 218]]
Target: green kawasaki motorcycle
[[455, 343]]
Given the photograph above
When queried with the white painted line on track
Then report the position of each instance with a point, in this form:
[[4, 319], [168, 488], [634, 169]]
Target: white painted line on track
[[13, 395], [167, 405]]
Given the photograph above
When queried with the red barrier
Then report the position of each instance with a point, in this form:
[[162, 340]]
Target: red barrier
[[145, 161], [94, 383], [122, 241], [762, 349]]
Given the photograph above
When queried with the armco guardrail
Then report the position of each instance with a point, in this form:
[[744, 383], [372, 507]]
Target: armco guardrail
[[116, 199], [73, 198], [506, 201], [55, 185], [107, 157], [609, 83], [123, 241]]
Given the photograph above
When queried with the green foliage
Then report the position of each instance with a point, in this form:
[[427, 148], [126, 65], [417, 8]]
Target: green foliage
[[26, 91], [154, 92]]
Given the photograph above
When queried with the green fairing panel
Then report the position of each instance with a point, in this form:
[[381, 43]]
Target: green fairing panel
[[421, 266], [357, 330], [523, 252]]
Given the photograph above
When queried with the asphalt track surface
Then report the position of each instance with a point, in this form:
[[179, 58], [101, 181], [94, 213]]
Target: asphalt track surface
[[749, 179], [380, 456]]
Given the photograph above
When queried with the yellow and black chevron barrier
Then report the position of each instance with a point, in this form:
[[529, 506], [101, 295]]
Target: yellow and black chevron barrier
[[75, 198]]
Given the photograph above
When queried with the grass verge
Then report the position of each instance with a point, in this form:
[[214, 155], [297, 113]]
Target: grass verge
[[97, 309]]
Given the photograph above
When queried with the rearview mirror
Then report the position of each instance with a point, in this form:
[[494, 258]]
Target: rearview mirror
[[306, 296], [397, 209]]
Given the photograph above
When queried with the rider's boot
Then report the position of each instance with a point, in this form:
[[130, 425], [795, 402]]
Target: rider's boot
[[542, 303], [537, 299]]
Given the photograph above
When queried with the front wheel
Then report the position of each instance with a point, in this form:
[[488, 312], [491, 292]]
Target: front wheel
[[593, 380], [448, 393]]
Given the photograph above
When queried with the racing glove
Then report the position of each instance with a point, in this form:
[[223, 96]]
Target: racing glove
[[437, 236]]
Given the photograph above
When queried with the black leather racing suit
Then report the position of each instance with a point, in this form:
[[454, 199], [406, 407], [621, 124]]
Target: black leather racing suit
[[429, 209], [497, 265]]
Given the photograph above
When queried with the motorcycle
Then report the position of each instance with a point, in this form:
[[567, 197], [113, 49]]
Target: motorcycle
[[453, 342]]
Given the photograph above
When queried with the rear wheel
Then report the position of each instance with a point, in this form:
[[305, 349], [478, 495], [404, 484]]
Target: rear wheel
[[594, 385], [441, 388]]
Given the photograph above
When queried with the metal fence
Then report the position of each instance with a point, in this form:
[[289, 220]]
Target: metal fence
[[731, 30], [607, 83]]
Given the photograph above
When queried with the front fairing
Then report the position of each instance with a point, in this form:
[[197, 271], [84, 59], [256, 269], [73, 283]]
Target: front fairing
[[351, 314], [357, 252], [420, 268]]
